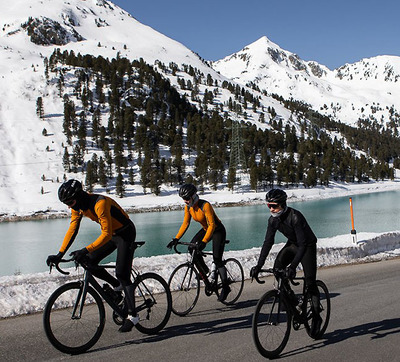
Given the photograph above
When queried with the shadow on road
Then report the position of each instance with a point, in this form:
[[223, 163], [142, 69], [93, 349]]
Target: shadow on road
[[376, 330], [217, 325]]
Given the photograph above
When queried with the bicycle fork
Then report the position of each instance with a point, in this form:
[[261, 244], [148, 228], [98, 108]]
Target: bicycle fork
[[80, 299]]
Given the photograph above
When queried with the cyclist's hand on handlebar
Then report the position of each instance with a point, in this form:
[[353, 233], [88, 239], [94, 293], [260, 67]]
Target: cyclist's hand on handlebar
[[290, 272], [200, 246], [54, 259], [79, 255], [172, 243], [254, 271]]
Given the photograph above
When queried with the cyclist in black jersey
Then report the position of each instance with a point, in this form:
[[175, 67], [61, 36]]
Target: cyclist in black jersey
[[301, 246]]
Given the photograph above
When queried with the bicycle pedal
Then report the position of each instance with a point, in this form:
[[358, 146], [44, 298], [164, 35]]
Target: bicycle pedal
[[296, 325]]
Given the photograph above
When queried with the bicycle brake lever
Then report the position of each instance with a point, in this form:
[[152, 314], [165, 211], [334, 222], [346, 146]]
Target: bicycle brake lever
[[176, 250]]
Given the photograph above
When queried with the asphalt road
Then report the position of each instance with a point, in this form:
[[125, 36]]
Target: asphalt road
[[364, 326]]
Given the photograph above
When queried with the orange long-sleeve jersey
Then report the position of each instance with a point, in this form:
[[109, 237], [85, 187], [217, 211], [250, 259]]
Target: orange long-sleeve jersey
[[106, 212], [203, 213]]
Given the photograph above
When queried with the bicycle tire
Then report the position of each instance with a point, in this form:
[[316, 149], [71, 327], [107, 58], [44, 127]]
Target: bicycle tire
[[153, 302], [235, 275], [73, 335], [184, 284], [324, 309], [271, 324]]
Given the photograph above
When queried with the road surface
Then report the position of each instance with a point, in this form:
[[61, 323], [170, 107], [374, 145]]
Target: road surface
[[364, 326]]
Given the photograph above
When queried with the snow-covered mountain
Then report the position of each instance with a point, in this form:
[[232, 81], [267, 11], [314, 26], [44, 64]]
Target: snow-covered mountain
[[367, 88], [30, 31], [31, 159]]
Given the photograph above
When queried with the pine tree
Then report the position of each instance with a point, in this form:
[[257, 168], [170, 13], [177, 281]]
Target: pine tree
[[102, 174], [131, 176], [254, 177], [90, 176], [119, 185], [39, 107], [82, 131], [231, 178], [96, 122], [66, 161]]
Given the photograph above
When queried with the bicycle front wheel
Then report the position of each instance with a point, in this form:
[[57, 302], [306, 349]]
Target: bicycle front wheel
[[324, 309], [271, 324], [235, 275], [153, 302], [184, 284], [72, 325]]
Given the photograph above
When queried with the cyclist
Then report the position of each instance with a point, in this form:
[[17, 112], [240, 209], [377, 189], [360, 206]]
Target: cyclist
[[212, 228], [301, 247], [117, 232]]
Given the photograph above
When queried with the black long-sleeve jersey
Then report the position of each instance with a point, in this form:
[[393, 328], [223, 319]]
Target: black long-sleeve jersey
[[293, 225]]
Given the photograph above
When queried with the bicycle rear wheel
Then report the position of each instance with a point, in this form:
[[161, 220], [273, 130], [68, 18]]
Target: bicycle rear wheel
[[184, 284], [324, 310], [153, 302], [271, 324], [67, 329], [235, 275]]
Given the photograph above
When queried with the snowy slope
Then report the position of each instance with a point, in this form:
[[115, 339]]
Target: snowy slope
[[31, 163], [346, 93], [105, 30]]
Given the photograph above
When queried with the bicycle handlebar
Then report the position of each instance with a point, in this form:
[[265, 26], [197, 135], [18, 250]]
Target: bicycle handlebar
[[58, 266], [137, 244], [193, 245], [279, 273]]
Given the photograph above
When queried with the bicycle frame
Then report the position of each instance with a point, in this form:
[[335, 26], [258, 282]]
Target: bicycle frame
[[88, 279], [209, 285], [280, 287]]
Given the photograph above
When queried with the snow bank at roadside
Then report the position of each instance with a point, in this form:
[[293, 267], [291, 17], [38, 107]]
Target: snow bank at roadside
[[26, 294]]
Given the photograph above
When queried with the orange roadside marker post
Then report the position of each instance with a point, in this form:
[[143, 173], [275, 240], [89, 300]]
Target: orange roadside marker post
[[353, 231]]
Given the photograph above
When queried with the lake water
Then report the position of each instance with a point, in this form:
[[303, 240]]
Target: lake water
[[25, 245]]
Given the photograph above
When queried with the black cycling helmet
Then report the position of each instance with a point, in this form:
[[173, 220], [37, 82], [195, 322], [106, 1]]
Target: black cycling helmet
[[187, 191], [277, 196], [69, 190]]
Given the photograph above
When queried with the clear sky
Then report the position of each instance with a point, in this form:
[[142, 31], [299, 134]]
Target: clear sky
[[332, 33]]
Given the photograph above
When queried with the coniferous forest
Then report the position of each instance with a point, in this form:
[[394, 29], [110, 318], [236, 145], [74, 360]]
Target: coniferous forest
[[138, 129]]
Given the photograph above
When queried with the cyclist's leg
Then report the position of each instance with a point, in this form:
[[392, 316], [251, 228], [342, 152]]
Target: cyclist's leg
[[198, 259], [285, 256], [309, 263], [125, 252], [94, 259], [283, 259], [219, 238]]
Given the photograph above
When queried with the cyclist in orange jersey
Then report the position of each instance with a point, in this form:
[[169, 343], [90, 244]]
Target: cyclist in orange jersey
[[212, 229], [117, 233]]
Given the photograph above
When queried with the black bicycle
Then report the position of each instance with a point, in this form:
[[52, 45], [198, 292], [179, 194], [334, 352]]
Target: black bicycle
[[277, 311], [74, 316], [184, 282]]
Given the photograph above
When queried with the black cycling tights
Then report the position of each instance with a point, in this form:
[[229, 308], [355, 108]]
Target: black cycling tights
[[309, 263], [125, 251], [218, 245]]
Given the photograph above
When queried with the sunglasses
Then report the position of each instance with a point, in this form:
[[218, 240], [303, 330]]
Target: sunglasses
[[273, 206], [186, 198]]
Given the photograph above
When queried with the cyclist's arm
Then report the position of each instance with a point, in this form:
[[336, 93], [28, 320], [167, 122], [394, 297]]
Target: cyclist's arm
[[72, 231], [185, 224], [301, 240], [103, 212], [268, 242], [211, 225]]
